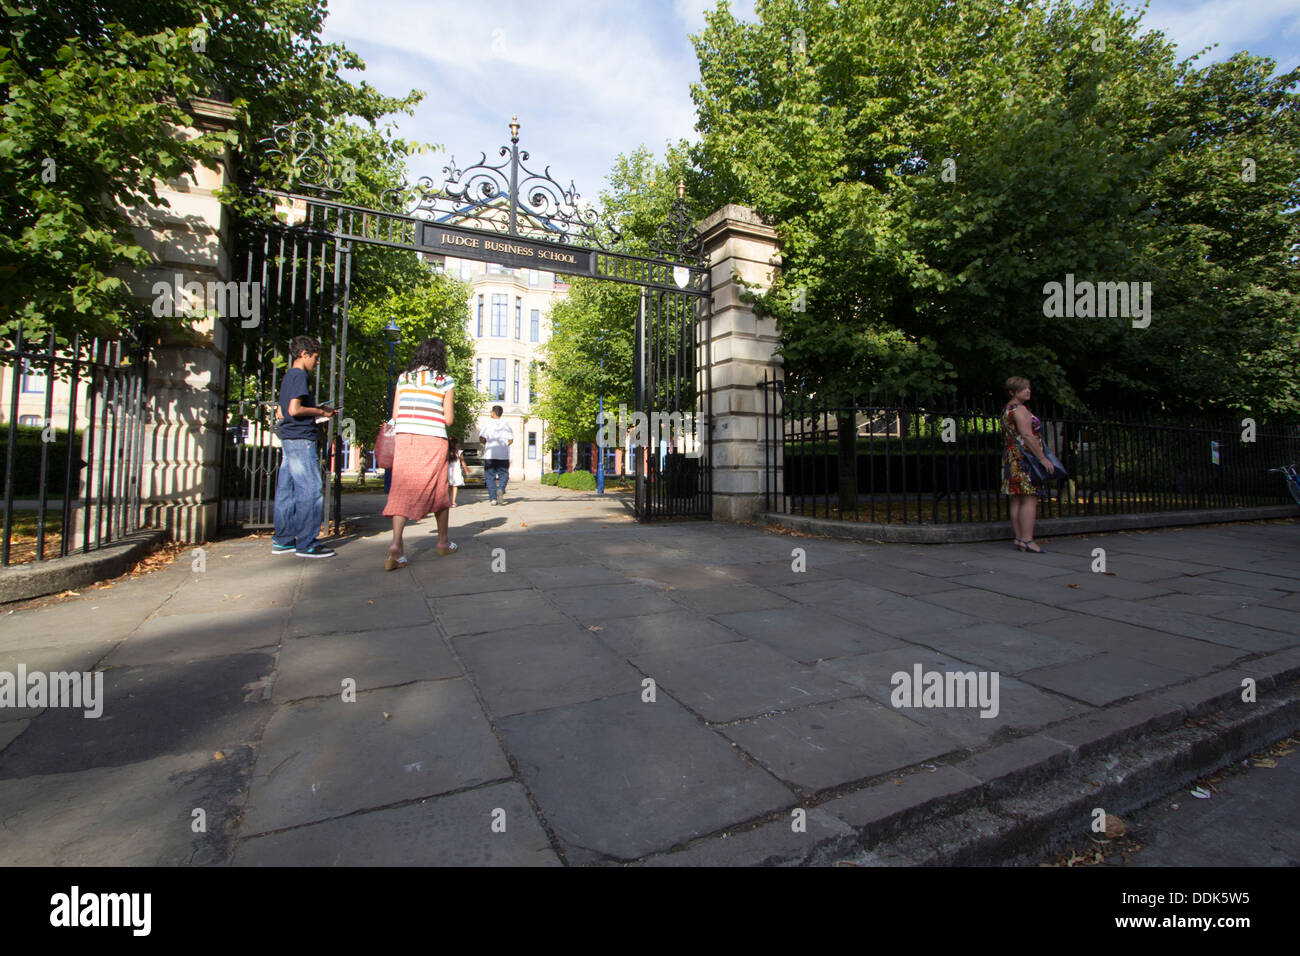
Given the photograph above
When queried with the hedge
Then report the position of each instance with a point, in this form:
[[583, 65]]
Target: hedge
[[551, 478], [578, 481], [27, 461]]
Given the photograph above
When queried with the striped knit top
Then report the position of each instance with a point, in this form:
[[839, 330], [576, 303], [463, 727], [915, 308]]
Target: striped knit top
[[420, 397]]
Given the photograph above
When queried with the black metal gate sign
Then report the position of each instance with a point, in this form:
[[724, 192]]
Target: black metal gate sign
[[506, 250]]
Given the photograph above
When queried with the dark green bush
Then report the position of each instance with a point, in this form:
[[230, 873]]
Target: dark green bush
[[578, 481], [27, 461]]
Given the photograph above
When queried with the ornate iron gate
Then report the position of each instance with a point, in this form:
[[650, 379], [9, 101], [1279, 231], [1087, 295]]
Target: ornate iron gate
[[674, 394], [504, 213], [302, 276]]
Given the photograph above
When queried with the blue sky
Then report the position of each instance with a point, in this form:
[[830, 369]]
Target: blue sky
[[590, 79]]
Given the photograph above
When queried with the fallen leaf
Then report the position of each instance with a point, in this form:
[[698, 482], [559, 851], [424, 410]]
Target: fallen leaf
[[1284, 753], [1200, 793], [387, 715], [370, 602], [1267, 763], [219, 755], [594, 627], [236, 597], [898, 781], [1115, 827], [1074, 586], [1173, 806]]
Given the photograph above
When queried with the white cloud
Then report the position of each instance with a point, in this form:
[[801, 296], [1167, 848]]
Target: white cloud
[[591, 79], [1255, 25]]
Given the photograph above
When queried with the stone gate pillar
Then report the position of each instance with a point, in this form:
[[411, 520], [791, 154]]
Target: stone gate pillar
[[187, 375], [742, 347]]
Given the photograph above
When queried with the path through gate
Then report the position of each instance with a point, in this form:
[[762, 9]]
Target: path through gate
[[504, 213]]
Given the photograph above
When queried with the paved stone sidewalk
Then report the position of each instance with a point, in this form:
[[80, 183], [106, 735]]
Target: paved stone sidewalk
[[501, 716]]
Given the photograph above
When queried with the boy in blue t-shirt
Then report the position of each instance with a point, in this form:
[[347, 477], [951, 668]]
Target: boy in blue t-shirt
[[298, 502]]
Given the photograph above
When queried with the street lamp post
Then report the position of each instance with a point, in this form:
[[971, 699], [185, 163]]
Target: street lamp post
[[393, 335], [600, 418]]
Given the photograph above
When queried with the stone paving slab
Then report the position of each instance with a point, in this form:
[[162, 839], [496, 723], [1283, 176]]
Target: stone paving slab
[[669, 631], [480, 613], [1186, 654], [1105, 678], [349, 609], [455, 830], [187, 637], [523, 670], [806, 634], [827, 745], [523, 689], [600, 603], [326, 758], [317, 666], [1013, 649], [150, 711], [141, 814], [664, 779], [1215, 630], [728, 682]]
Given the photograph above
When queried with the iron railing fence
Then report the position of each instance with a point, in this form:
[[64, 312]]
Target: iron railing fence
[[72, 478], [888, 458]]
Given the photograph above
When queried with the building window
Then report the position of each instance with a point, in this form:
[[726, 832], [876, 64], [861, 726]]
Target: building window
[[29, 420], [519, 318], [611, 461], [497, 381], [532, 444], [464, 269], [500, 303], [534, 325], [532, 383], [478, 373], [534, 277], [516, 381], [33, 382], [480, 315]]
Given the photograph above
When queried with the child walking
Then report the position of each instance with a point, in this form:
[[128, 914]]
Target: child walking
[[455, 467]]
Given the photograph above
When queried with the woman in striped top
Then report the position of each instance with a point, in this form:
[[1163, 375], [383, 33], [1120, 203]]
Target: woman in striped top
[[423, 407]]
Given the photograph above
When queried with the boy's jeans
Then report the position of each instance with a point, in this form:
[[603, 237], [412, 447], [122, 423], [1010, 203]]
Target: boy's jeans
[[496, 472], [298, 504]]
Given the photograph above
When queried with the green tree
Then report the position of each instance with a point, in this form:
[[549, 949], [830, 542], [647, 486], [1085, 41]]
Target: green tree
[[590, 351], [91, 92], [930, 166]]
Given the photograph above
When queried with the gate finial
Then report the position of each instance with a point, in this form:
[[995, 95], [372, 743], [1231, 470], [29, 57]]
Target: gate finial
[[514, 128]]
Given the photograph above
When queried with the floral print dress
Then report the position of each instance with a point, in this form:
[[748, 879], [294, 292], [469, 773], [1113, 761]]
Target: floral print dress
[[1015, 480]]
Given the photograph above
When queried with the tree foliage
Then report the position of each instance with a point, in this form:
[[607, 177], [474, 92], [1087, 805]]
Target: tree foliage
[[92, 91], [931, 166], [590, 351]]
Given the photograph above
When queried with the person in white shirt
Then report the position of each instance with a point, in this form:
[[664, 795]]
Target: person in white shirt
[[497, 437]]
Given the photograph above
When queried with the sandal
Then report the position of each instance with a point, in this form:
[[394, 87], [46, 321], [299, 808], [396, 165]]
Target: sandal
[[450, 549], [1031, 546], [392, 564], [1020, 545]]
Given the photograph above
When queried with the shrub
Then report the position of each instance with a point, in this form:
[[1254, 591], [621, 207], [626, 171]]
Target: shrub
[[578, 480], [27, 461], [551, 478]]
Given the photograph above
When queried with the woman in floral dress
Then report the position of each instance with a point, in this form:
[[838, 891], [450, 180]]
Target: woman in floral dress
[[1020, 426]]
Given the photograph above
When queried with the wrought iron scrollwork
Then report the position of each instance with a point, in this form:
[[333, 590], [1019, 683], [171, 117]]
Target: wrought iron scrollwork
[[506, 197], [676, 238], [296, 148]]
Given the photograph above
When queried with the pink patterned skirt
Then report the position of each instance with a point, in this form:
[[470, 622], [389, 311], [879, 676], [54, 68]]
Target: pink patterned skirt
[[419, 477]]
